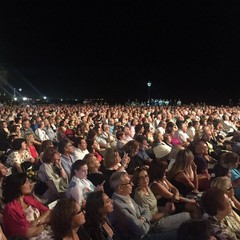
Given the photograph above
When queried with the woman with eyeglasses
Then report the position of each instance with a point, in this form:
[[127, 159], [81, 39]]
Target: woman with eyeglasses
[[67, 221], [232, 220], [162, 220], [98, 206], [23, 215]]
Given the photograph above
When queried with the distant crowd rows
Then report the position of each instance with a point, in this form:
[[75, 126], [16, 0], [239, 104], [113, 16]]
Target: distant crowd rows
[[120, 172]]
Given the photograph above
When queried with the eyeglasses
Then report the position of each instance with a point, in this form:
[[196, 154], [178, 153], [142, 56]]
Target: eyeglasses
[[80, 211], [229, 189], [143, 177], [130, 182]]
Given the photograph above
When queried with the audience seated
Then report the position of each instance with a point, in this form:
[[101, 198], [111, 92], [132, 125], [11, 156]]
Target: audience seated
[[163, 220], [165, 192], [129, 220], [69, 117]]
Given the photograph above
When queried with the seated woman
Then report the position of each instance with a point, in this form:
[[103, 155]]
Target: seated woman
[[183, 173], [19, 155], [112, 162], [217, 206], [79, 186], [143, 196], [233, 219], [132, 149], [164, 191], [45, 144], [23, 215], [93, 147], [98, 206], [53, 174], [67, 220], [94, 174], [29, 137]]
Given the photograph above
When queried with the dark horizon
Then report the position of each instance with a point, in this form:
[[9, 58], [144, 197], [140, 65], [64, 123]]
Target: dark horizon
[[188, 51]]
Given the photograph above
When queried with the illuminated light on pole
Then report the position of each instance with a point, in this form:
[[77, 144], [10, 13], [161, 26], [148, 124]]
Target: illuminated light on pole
[[149, 84]]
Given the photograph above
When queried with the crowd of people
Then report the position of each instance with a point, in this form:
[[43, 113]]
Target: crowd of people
[[115, 172]]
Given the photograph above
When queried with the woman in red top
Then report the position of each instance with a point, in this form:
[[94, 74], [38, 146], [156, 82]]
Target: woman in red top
[[93, 147], [31, 147], [23, 215]]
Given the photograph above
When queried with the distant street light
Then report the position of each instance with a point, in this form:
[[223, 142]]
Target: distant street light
[[15, 93], [149, 95]]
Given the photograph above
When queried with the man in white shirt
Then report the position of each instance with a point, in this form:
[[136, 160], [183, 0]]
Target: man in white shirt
[[80, 148]]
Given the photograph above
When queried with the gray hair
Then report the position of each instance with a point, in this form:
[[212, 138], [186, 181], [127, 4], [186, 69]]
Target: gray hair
[[116, 179]]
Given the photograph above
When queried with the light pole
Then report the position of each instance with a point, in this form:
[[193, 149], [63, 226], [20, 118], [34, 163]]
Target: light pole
[[149, 96], [14, 93]]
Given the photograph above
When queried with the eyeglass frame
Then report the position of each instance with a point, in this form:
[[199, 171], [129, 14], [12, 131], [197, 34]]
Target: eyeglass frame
[[124, 184]]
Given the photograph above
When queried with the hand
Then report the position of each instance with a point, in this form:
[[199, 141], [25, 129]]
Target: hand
[[175, 197], [170, 207], [194, 166], [125, 159], [35, 223], [188, 200], [100, 187], [143, 219]]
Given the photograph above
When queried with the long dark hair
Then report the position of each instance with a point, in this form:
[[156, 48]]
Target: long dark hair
[[11, 186], [94, 214]]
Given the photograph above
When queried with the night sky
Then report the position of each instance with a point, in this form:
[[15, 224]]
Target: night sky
[[111, 49]]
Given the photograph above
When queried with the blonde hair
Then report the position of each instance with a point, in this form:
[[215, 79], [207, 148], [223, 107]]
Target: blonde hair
[[90, 158], [182, 163], [221, 183]]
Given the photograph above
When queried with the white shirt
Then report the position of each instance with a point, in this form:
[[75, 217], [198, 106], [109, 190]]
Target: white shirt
[[78, 189], [79, 154], [41, 134]]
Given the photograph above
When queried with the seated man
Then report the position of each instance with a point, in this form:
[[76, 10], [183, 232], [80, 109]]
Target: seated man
[[129, 220]]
